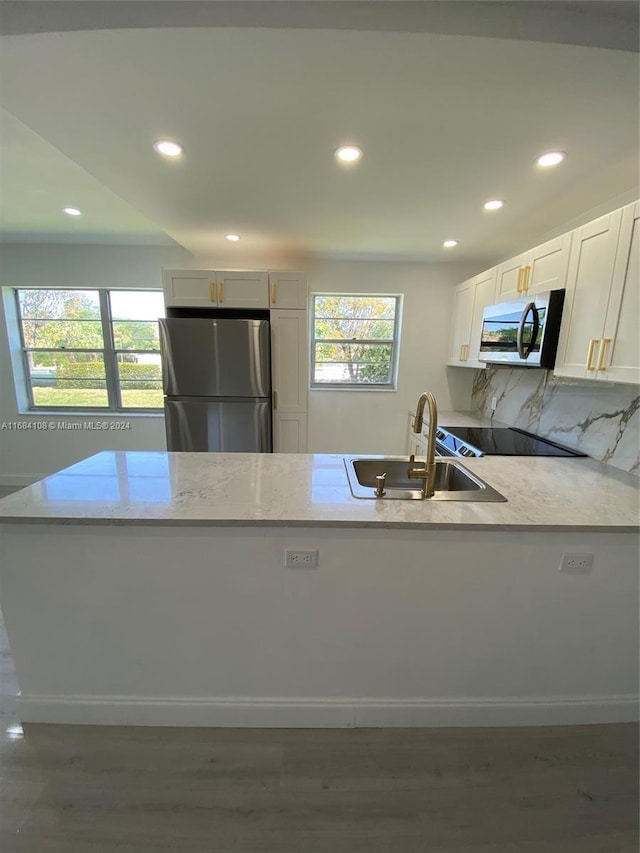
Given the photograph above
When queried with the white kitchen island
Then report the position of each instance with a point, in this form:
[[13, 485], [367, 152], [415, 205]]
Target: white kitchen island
[[151, 589]]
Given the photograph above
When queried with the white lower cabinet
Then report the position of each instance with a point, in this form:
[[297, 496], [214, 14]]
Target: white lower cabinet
[[470, 299], [600, 325], [290, 432]]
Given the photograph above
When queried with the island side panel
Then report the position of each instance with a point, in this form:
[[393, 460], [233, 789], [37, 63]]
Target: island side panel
[[206, 626]]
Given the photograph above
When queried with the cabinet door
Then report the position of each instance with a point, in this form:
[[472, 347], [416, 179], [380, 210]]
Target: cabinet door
[[290, 432], [288, 289], [619, 356], [242, 289], [510, 278], [289, 360], [461, 323], [588, 286], [548, 265], [484, 291], [189, 288], [416, 442], [417, 445]]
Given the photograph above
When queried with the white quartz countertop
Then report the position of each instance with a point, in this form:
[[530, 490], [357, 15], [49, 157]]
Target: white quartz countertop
[[312, 490]]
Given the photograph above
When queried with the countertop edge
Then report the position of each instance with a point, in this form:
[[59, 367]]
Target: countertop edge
[[329, 524]]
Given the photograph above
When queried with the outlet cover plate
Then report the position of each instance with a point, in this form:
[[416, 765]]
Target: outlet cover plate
[[576, 563], [301, 559]]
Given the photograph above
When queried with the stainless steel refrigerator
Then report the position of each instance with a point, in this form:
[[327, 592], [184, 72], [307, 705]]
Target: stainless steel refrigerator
[[217, 384]]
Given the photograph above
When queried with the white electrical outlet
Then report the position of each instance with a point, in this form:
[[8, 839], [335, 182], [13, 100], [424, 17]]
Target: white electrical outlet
[[494, 404], [576, 563], [301, 559]]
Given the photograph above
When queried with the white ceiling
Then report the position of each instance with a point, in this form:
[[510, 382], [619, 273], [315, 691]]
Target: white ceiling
[[445, 121]]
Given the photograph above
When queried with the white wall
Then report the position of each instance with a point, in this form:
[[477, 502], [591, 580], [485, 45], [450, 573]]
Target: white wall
[[27, 455], [376, 421], [340, 421]]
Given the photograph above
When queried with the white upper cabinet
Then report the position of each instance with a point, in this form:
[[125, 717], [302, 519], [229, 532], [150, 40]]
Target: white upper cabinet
[[581, 352], [209, 288], [510, 276], [288, 289], [534, 271], [619, 350], [461, 323], [242, 289], [484, 291], [189, 288], [470, 299]]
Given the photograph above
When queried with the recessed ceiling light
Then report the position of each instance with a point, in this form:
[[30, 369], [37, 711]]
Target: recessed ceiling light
[[348, 154], [494, 204], [551, 158], [72, 211], [169, 149], [233, 237], [449, 244]]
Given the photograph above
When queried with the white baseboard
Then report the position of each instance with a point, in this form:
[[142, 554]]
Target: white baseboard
[[326, 713], [20, 480]]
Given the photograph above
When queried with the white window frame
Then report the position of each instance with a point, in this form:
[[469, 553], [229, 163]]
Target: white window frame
[[109, 351], [393, 342]]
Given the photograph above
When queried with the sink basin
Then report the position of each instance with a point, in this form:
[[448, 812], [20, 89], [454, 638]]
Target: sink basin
[[453, 481]]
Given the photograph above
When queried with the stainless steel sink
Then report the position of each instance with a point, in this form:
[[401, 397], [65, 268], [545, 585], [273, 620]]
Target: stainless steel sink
[[453, 481]]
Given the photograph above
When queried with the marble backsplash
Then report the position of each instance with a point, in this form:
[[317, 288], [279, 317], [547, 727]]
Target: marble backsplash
[[600, 420]]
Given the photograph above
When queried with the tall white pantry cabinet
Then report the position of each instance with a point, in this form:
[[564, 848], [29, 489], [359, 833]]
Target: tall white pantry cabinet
[[289, 361], [285, 294]]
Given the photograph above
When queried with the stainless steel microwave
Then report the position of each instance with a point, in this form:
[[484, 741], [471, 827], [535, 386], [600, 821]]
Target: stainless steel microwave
[[522, 333]]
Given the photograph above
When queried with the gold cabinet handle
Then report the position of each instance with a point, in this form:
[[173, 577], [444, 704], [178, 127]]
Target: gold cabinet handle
[[275, 400], [519, 282], [273, 292], [462, 352], [417, 453], [601, 352], [592, 344], [220, 291], [212, 291], [526, 272]]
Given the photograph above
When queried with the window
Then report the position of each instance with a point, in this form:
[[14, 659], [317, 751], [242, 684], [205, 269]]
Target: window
[[91, 349], [355, 340]]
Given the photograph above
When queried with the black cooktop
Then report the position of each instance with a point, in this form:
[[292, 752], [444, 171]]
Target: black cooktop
[[502, 441]]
